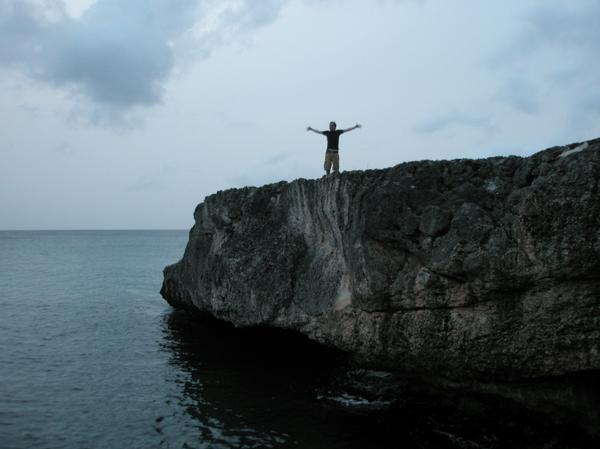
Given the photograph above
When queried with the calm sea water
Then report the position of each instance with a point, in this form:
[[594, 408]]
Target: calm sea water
[[92, 357]]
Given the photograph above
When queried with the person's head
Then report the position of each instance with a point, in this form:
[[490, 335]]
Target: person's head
[[332, 126]]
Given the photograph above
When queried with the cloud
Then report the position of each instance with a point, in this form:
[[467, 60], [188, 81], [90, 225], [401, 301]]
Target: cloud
[[147, 184], [118, 54], [253, 14], [520, 94], [567, 24], [592, 105], [265, 170], [154, 181], [62, 148], [554, 56], [454, 119]]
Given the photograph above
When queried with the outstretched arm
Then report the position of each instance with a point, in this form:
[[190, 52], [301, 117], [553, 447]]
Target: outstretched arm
[[354, 127], [314, 130]]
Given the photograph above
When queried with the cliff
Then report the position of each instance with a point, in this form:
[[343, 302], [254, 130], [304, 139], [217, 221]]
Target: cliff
[[484, 269]]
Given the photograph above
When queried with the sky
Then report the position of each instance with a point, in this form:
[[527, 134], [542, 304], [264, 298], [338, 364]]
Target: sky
[[122, 114]]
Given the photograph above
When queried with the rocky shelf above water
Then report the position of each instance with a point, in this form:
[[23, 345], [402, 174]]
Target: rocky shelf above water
[[465, 269]]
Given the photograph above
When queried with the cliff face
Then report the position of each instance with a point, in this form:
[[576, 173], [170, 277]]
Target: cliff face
[[485, 269]]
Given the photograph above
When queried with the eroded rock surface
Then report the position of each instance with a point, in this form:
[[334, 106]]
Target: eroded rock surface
[[464, 269]]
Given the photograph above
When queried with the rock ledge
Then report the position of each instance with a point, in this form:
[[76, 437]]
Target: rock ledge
[[484, 269]]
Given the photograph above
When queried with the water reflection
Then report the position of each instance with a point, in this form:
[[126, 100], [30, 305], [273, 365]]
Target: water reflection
[[267, 389], [213, 392], [252, 388]]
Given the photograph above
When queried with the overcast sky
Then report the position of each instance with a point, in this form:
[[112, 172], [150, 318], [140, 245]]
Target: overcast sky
[[122, 114]]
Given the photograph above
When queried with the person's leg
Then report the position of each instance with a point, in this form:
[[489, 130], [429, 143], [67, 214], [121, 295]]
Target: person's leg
[[336, 162], [327, 164]]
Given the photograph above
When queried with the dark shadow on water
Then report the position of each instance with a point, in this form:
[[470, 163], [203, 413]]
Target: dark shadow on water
[[266, 388]]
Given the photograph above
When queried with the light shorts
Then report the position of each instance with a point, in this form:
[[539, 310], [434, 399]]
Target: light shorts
[[332, 158]]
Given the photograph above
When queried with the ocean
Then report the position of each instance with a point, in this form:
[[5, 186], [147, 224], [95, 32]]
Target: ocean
[[92, 357]]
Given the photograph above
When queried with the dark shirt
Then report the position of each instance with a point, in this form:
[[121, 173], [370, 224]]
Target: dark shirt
[[333, 138]]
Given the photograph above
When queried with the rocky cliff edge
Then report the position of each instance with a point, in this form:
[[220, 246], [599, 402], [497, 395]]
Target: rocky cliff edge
[[486, 269]]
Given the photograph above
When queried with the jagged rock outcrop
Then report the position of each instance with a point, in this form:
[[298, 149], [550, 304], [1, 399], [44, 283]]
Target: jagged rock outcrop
[[484, 269]]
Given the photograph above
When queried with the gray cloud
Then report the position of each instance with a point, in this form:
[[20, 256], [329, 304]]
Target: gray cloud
[[456, 119], [520, 94], [21, 27], [153, 181], [271, 168], [118, 54], [62, 148], [565, 24], [146, 184], [590, 105], [252, 14], [558, 28]]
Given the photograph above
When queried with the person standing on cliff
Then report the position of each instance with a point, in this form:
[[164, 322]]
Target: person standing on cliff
[[332, 156]]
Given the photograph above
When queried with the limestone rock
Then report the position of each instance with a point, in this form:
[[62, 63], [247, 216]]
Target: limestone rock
[[463, 269]]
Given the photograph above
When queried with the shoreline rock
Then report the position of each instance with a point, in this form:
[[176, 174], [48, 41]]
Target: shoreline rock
[[465, 269]]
